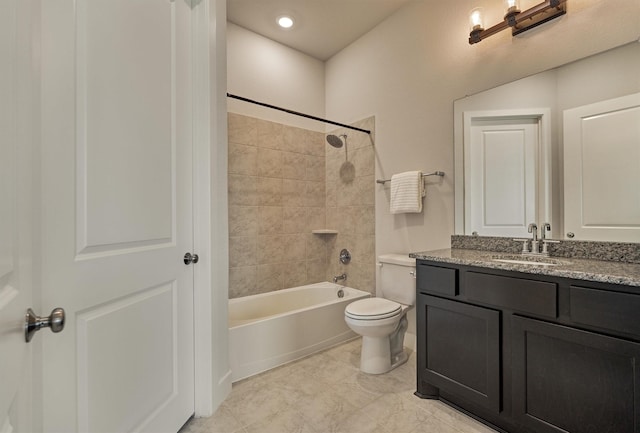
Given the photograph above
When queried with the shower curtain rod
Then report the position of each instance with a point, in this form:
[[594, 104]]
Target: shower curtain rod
[[297, 113]]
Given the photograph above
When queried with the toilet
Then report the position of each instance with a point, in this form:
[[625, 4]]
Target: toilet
[[382, 321]]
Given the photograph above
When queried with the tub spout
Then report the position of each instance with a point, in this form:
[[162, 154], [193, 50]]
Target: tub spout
[[339, 277]]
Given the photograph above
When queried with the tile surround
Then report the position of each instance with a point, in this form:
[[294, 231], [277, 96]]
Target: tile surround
[[286, 181], [294, 166], [350, 205], [243, 221]]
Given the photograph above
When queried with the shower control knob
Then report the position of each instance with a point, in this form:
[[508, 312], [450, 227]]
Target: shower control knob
[[345, 256], [190, 258]]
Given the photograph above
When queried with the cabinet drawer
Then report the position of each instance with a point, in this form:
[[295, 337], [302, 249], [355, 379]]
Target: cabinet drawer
[[529, 296], [604, 309], [435, 279]]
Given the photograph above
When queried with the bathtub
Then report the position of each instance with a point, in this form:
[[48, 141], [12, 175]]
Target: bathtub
[[271, 329]]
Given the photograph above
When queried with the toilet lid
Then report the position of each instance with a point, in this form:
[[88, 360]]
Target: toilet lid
[[372, 309]]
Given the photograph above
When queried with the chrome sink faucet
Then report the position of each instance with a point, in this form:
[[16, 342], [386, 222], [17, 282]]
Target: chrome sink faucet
[[339, 278], [535, 243], [546, 227], [533, 229]]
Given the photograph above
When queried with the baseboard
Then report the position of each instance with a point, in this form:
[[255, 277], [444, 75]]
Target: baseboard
[[219, 393], [223, 389]]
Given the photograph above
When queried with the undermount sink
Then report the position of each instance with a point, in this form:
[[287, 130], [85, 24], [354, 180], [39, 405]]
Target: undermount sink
[[529, 260]]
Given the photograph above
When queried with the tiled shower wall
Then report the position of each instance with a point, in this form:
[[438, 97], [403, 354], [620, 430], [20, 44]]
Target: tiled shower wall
[[279, 191], [351, 207]]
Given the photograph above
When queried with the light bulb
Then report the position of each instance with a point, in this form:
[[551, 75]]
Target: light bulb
[[476, 20], [511, 7], [285, 22]]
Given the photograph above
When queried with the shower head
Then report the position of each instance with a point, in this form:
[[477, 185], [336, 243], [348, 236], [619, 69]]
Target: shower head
[[336, 141]]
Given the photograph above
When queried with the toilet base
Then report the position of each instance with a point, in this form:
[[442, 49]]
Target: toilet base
[[376, 356], [400, 359]]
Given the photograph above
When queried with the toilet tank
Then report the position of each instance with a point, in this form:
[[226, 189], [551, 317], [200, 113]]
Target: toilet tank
[[398, 278]]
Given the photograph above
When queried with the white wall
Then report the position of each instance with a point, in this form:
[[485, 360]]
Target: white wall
[[408, 71], [608, 75], [267, 71]]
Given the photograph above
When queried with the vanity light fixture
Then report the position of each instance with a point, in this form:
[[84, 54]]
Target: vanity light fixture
[[519, 21]]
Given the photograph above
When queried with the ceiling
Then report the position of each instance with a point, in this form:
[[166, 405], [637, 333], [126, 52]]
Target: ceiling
[[322, 27]]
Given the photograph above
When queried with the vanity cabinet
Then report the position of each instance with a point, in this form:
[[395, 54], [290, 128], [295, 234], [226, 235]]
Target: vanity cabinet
[[463, 350], [569, 380], [529, 353]]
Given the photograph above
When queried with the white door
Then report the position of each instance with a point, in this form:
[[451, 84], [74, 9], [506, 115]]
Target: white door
[[17, 121], [501, 176], [117, 214], [602, 170]]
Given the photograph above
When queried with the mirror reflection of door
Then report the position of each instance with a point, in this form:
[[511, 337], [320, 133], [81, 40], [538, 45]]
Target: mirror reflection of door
[[602, 170], [502, 174]]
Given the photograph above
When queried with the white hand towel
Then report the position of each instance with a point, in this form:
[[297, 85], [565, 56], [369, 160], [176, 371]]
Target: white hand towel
[[407, 190]]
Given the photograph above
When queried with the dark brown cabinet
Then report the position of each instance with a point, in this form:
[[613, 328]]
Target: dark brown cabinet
[[529, 353], [461, 349], [568, 380]]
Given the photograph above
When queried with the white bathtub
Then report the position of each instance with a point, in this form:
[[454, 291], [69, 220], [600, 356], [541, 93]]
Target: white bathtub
[[271, 329]]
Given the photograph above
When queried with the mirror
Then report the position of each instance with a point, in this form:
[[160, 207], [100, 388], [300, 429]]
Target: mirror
[[541, 100]]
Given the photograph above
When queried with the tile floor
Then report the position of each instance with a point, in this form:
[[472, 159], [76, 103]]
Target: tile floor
[[326, 393]]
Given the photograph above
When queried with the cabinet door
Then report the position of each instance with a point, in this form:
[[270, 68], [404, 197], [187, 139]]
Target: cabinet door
[[459, 349], [568, 380]]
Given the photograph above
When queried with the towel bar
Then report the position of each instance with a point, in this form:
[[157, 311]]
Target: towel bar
[[435, 173]]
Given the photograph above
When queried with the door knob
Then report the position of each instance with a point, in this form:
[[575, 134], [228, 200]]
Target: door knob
[[190, 258], [34, 323]]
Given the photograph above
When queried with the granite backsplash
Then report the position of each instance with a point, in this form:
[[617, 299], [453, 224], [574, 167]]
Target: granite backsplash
[[593, 250]]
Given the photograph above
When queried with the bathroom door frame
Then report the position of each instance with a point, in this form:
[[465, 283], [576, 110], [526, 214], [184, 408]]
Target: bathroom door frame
[[210, 225]]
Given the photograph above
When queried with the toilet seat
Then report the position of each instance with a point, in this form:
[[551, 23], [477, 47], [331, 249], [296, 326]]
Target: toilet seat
[[372, 309]]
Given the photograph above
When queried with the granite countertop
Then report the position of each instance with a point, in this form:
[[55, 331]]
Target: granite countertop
[[575, 268]]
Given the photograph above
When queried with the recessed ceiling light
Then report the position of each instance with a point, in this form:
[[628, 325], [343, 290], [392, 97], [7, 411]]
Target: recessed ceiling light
[[285, 22]]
